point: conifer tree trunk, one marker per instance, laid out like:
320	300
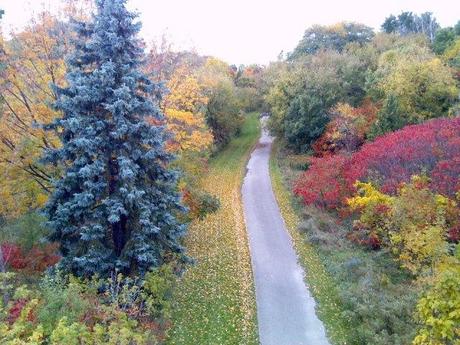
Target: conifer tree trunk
118	228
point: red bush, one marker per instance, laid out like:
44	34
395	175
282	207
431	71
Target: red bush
13	256
37	259
15	311
322	184
431	148
454	234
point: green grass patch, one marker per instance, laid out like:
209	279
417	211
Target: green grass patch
215	301
235	155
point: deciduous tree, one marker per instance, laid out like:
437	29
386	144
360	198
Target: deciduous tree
334	37
33	60
420	83
184	107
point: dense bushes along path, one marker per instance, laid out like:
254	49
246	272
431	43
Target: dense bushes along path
285	308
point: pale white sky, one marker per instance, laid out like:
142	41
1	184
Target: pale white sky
246	31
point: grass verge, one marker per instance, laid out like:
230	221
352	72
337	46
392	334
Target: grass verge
215	302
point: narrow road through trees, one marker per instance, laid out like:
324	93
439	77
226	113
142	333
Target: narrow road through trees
285	308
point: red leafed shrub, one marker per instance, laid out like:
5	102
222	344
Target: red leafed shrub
445	176
37	259
13	256
15	311
322	184
454	234
432	148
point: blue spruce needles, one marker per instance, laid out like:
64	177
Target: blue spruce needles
116	205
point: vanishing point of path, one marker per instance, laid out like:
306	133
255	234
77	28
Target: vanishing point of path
285	308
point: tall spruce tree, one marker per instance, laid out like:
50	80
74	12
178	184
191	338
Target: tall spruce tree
115	207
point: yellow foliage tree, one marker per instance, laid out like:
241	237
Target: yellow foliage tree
34	60
183	107
421	82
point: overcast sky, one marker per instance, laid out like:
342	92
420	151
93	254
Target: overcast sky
245	31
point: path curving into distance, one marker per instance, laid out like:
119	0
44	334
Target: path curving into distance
285	309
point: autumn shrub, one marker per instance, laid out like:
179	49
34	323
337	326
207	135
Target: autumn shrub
376	298
438	311
149	297
158	286
367	281
199	203
12	255
114	328
37	259
374	207
323	184
61	298
414	224
432	148
347	129
24	246
66	310
119	330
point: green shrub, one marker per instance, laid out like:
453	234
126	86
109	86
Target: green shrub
65	310
26	231
438	311
61	298
158	287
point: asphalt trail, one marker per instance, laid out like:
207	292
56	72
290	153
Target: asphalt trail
285	308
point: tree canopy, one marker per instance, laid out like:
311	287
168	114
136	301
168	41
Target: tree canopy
334	37
409	23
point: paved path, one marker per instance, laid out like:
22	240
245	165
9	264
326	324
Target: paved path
285	308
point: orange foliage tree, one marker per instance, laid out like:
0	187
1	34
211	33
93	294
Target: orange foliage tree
347	129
